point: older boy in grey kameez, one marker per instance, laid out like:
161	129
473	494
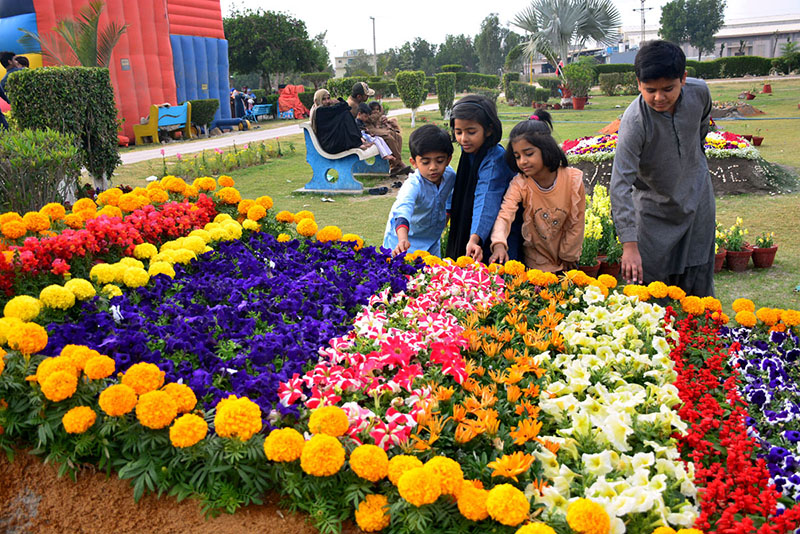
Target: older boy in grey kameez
661	191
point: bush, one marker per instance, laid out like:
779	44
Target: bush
524	94
580	77
430	83
610	83
411	85
260	94
203	111
738	66
307	98
541	94
37	167
76	100
341	87
630	85
787	63
317	79
446	90
271	99
452	68
608	68
509	77
552	83
466	81
488	92
691	71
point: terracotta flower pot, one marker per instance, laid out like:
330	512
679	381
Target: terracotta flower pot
749	137
763	257
578	102
611	269
749	96
590	270
737	260
757	140
767	88
719	260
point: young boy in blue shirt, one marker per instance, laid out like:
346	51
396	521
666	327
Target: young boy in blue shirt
419	215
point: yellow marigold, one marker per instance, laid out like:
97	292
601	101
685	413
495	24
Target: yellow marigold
83	204
229	195
607	280
135	277
244	205
664	530
303	214
372	514
285	217
514	268
173	184
658	290
226	181
158	196
472	502
161	267
23	307
2	360
330	420
370	462
57	297
507	505
676	293
433	260
78	420
187	430
102	273
632	290
143	377
256	213
283	238
463	261
284	445
7	325
109	197
81	288
117	400
28	338
768	316
59	385
580	278
205	183
14	229
237	417
743	305
541	278
587	517
329	233
449	471
265	201
131	262
79	355
144	251
191	192
111	290
692	305
74	221
35	221
307	227
130	202
156	409
419	486
358	243
535	528
790	317
322	456
251	225
401	463
689	531
54	211
184	397
100	366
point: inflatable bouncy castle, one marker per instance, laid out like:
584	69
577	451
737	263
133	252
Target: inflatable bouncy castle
172	51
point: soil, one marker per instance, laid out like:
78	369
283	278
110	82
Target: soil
33	500
739	110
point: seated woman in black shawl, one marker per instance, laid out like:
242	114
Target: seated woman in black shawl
335	126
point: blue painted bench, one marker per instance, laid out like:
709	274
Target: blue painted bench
161	117
346	164
259	110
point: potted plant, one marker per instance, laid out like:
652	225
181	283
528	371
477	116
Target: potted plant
764	250
592	234
719	249
579	78
767	88
738	253
611	264
757	139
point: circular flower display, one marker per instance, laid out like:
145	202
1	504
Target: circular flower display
372	514
143	377
508	505
100	366
59	385
400	464
117	400
237	418
419	486
322	456
184	397
78	420
156	409
284	445
330	420
187	430
370	462
587	517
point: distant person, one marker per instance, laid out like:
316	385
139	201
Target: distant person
363	116
10	64
359	94
322	98
23	62
379	125
336	128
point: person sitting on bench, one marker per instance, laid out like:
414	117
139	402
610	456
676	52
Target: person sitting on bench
336	128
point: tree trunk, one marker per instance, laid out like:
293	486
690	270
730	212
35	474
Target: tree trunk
100	183
699	54
413	117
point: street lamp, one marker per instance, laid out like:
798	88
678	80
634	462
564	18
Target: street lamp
374	48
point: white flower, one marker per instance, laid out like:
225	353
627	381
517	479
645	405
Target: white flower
601	463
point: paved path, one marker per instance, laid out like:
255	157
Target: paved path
240	138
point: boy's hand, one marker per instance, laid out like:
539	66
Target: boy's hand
632	263
499	254
402	246
570	265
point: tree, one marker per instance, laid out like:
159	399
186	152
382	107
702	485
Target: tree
423	56
457	50
270	43
555	27
78	41
489	45
673	21
412	88
695	21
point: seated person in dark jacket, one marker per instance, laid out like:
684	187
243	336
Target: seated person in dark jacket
336	128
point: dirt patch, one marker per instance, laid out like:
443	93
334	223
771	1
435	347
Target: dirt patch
735	110
35	501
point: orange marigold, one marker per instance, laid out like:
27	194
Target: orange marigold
59	385
768	316
330	420
303	214
78	420
676	293
78	355
692	305
229	195
588	517
369	462
245	205
205	183
657	289
256	213
265	201
237	418
54	211
322	456
401	463
109	197
284	445
156	409
746	318
535	528
84	204
117	400
514	268
307	227
790	317
507	505
187	430
607	280
184	397
329	233
29	338
358	243
472	502
449	472
49	366
35	221
13	229
100	366
743	305
372	514
420	486
285	217
143	377
226	181
711	304
74	221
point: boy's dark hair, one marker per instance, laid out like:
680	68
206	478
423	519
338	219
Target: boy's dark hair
429	138
364	108
532	131
480	109
23	61
659	59
5	58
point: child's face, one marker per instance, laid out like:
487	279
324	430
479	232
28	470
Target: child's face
662	94
470	135
431	165
363	116
528	158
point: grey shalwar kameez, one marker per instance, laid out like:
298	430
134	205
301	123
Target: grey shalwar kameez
661	191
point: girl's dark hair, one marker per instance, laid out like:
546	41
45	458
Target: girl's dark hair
537	133
481	110
544	120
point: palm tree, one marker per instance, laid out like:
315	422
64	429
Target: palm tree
79	41
555	27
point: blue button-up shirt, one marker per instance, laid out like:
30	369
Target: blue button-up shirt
424	205
494	175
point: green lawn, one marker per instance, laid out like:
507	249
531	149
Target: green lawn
366	214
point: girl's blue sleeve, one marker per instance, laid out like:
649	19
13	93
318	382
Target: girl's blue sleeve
493	179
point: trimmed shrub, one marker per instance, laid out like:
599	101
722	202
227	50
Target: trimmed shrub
446	91
412	88
392	88
271	99
738	66
452	68
341	87
610	83
260	94
524	94
37	167
541	94
488	92
76	100
307	98
466	81
691	71
430	83
630	86
509	77
607	68
380	87
317	79
550	82
203	111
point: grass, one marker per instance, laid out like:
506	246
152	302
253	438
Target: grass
366	214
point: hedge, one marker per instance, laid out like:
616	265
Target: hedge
431	84
307	98
524	94
732	67
489	92
452	68
446	90
551	83
465	81
509	77
76	100
541	94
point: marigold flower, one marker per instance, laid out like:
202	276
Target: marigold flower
692	305
353	238
658	290
10	216
433	260
283	238
161	267
117	400
307	227
676	293
790	317
508	505
711	304
109	197
535	528
191	192
372	514
664	530
514	268
369	462
84	204
463	261
156	409
98	367
284	217
173	184
111	290
322	456
690	531
251	225
23	307
420	486
81	288
110	211
102	273
205	183
135	277
401	463
187	430
329	233
184	397
743	305
78	420
2	361
49	366
229	195
13	229
237	418
131	202
143	377
226	181
58	297
588	517
244	205
28	338
59	385
74	221
449	472
284	445
768	316
78	355
35	221
256	213
54	211
746	318
303	214
610	282
472	502
7	325
265	201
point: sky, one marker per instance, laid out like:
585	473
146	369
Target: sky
349	25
